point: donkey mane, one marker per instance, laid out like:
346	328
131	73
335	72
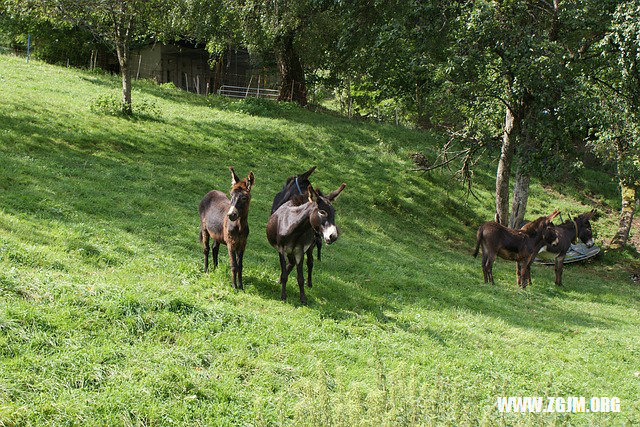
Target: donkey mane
298	200
288	181
533	225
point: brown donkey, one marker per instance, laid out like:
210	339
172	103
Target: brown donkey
515	245
292	231
569	232
225	221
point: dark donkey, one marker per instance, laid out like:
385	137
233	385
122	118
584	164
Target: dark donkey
297	186
292	230
515	245
568	233
225	221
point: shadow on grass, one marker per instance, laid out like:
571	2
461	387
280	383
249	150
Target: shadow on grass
400	226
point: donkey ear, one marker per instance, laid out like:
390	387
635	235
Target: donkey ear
313	196
250	180
553	214
234	177
332	196
590	214
308	173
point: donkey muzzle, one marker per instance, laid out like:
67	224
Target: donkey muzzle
330	234
233	213
590	243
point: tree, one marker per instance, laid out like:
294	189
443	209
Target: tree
526	58
116	23
298	32
617	96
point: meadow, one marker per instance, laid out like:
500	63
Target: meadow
107	318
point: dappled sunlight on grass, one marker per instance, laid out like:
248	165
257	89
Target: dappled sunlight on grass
106	316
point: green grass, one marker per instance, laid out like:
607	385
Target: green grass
106	317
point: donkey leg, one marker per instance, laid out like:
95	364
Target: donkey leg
484	267
284	275
523	275
300	271
518	275
283	282
309	265
319	246
239	256
204	237
490	260
214	253
234	265
559	267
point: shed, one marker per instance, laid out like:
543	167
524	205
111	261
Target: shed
194	69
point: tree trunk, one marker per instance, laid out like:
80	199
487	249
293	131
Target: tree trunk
292	82
125	73
520	198
629	204
504	167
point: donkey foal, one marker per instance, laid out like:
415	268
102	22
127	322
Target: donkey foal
225	222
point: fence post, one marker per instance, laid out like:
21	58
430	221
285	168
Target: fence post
139	63
28	47
258	95
186	80
248	87
396	116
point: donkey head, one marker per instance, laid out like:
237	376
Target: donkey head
549	233
240	195
298	184
543	227
584	227
323	215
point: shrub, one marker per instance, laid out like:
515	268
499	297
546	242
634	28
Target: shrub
107	104
168	85
112	104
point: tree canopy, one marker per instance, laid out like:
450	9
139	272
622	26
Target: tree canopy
534	83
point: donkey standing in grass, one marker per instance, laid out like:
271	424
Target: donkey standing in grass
516	245
297	186
292	230
568	233
225	221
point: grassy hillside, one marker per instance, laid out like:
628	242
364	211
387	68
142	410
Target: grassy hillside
106	317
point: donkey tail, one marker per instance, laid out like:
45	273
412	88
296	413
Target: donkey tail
479	240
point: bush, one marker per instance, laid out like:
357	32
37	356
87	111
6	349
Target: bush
107	104
168	85
112	105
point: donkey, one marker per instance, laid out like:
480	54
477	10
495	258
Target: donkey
225	221
568	233
515	245
292	230
297	186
